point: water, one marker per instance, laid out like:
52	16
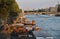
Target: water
49	24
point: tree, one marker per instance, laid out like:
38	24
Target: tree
20	10
13	8
41	10
3	10
58	8
8	8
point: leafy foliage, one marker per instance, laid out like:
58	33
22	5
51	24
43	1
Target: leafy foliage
41	10
58	8
8	6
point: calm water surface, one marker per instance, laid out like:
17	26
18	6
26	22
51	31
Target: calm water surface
49	24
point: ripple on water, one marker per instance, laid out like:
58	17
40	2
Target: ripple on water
50	24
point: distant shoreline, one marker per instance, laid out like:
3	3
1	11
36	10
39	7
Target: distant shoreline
47	13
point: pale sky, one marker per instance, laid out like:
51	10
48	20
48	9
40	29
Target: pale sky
36	4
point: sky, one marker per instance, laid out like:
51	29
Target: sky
36	4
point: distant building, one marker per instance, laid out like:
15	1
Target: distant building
47	10
53	9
